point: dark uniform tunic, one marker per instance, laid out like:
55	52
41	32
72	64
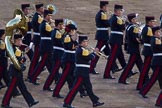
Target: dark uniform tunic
116	40
82	76
36	21
68	61
45	50
156	45
58	51
102	36
147	52
28	39
3	63
134	51
17	80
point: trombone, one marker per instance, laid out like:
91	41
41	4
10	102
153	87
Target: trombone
99	53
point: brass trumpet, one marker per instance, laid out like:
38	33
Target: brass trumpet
100	54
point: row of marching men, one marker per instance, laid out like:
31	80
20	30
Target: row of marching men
55	50
149	37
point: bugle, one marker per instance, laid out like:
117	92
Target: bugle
100	54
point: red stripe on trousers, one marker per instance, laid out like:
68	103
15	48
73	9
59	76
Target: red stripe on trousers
73	90
52	75
159	99
110	61
143	72
9	91
151	81
95	60
129	67
39	68
34	60
62	80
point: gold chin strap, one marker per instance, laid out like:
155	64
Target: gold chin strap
18	23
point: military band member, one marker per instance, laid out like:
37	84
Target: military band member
102	34
58	51
82	74
117	26
45	48
147	52
68	60
17	77
3	60
28	37
132	33
156	63
36	21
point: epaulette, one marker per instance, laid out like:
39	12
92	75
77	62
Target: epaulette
67	39
58	35
135	30
149	32
2	45
40	19
27	19
18	52
48	27
104	16
119	21
157	41
85	52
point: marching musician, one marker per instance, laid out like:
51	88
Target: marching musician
82	74
156	63
27	39
102	34
117	26
58	51
147	52
36	21
17	77
132	33
68	60
45	48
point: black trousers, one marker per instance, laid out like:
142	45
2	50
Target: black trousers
34	61
30	54
45	61
154	77
67	75
116	53
79	81
133	59
144	77
17	80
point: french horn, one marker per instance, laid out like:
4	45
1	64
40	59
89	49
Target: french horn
18	23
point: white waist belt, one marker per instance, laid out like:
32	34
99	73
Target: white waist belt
36	33
82	65
146	44
29	32
117	32
58	48
157	54
102	28
68	51
45	38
